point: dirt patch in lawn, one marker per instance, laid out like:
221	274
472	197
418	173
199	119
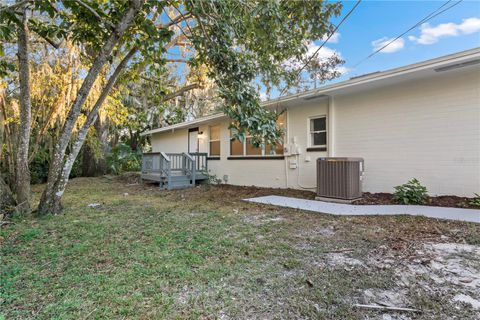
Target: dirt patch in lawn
440	201
242	192
130	178
227	194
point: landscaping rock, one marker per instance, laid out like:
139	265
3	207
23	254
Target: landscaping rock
339	259
468	300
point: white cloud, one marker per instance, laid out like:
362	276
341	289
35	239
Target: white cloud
333	39
392	47
343	70
430	35
263	96
323	54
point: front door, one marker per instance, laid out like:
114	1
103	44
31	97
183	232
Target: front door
193	140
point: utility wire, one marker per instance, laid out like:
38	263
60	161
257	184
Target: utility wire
430	16
314	55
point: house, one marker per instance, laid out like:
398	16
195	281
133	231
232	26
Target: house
421	120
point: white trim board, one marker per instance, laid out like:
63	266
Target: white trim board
392	76
457	214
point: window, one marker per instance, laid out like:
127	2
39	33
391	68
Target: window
215	141
250	149
278	148
318	132
238	148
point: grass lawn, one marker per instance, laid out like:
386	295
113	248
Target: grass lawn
203	253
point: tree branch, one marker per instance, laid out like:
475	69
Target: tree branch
177	41
50	201
13	6
176	20
156	81
92	115
177	60
91	118
183	17
54	44
181	91
95	13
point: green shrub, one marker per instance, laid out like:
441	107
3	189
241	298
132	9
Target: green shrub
39	166
123	158
77	167
411	192
476	200
41	163
212	179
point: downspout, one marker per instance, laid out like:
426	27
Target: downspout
285	140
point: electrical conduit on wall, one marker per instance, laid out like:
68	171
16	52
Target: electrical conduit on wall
330	147
298	175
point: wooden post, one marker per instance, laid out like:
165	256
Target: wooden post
184	164
194	174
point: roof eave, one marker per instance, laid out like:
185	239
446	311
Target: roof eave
329	89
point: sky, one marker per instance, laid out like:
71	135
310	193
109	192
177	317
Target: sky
374	22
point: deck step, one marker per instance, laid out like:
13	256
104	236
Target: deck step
180	178
178	182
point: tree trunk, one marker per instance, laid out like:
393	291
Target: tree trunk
51	199
2	124
7	202
23	172
133	139
59	166
9	154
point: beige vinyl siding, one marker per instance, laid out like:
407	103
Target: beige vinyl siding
428	129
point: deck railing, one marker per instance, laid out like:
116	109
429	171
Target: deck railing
176	161
161	166
201	160
189	166
151	163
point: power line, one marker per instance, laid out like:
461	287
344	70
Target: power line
430	16
314	55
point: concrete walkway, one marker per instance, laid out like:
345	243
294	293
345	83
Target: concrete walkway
470	215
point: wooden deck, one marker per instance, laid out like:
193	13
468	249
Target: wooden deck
175	170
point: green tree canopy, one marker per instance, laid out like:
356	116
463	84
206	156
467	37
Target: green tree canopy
236	44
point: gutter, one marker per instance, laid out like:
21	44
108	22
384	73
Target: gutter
354	81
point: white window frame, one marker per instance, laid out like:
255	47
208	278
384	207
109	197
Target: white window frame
244	153
244	148
310	131
214	140
252	155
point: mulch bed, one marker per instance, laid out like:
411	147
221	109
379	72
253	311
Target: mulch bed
440	201
231	193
